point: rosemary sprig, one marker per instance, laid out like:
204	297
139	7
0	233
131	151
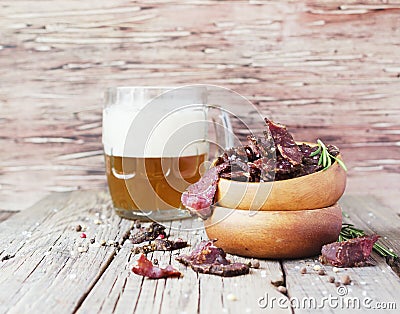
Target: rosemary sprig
350	232
325	159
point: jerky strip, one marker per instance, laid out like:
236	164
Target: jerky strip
144	267
285	142
148	234
353	252
199	196
209	259
160	245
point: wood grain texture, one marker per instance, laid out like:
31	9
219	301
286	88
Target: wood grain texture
327	69
193	293
274	234
41	266
5	214
40	274
368	214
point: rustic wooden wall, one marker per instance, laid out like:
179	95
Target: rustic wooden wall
328	69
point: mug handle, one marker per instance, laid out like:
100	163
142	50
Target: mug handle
226	122
222	132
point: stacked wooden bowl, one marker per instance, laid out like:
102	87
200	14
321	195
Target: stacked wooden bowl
283	219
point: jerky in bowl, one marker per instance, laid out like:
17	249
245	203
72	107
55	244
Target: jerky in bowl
272	172
271	198
316	190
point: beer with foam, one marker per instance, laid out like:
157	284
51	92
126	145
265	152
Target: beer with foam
153	150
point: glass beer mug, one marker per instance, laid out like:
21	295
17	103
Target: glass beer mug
155	143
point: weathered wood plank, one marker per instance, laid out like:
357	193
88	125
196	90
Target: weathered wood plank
372	216
327	69
39	271
194	293
376	283
5	214
46	270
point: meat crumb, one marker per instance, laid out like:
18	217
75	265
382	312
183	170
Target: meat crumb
254	263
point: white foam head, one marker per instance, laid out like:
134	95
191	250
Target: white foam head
135	124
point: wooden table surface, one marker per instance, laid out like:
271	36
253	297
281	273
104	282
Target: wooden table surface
43	271
326	68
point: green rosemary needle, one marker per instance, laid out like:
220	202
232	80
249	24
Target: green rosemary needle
325	159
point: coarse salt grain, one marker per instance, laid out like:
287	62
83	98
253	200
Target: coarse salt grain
231	297
82	249
72	276
263	273
316	267
335	269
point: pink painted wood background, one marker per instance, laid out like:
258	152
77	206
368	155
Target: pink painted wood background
328	69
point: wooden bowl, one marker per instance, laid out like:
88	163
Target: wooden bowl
317	190
274	234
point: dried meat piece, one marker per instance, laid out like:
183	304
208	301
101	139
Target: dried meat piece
284	169
237	170
168	245
285	143
333	150
144	267
255	172
267	168
160	245
353	252
310	163
148	234
208	259
262	147
241	176
199	196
